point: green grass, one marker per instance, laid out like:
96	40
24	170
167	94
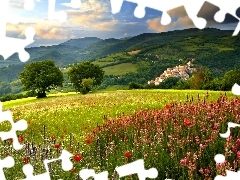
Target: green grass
31	100
73	112
120	69
116	87
102	63
78	115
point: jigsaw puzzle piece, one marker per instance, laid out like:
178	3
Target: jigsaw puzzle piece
192	8
227	7
66	166
140	12
29	5
53	15
28	171
7	162
18	126
73	4
87	173
230	125
137	167
8	45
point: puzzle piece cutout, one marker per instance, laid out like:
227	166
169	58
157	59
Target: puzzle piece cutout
7	162
137	167
29	5
87	173
236	89
73	4
66	166
230	125
8	45
21	125
230	175
229	7
53	15
192	8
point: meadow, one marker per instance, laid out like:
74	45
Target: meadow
177	132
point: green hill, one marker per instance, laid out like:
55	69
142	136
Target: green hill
139	58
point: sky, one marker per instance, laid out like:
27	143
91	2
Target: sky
94	18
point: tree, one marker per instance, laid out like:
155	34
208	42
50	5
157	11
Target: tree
78	75
230	78
169	83
41	77
87	85
134	85
201	78
5	88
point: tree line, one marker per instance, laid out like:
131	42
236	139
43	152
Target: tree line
202	79
40	77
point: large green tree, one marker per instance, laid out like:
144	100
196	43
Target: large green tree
230	78
85	76
41	77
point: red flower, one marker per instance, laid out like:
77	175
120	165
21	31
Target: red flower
128	154
57	146
72	170
25	160
187	122
88	140
77	157
167	106
20	138
53	137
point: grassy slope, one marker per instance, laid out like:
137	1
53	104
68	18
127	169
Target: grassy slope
73	113
120	69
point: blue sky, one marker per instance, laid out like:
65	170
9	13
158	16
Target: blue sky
95	19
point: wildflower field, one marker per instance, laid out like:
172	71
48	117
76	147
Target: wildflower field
177	132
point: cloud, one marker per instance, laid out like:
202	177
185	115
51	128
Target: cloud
93	15
180	19
44	29
181	22
19	4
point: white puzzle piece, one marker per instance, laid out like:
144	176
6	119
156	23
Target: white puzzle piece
192	8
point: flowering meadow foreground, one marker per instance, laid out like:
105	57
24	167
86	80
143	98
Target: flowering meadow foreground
176	132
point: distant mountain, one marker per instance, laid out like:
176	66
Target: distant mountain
207	45
82	42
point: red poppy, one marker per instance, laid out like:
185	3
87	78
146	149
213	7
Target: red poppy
128	154
167	106
53	137
57	146
20	138
88	140
187	122
77	157
25	160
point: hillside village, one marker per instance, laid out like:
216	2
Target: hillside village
182	72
